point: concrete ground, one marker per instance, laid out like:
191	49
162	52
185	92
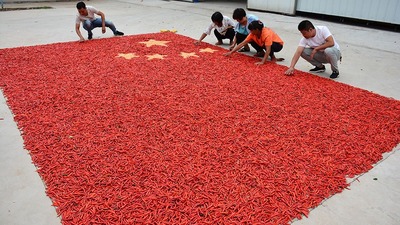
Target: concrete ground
370	61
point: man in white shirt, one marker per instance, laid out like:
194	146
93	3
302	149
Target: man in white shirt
223	29
317	47
89	21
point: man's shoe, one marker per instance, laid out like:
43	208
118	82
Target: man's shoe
244	49
90	36
334	75
318	69
118	33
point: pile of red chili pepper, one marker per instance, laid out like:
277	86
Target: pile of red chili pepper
203	139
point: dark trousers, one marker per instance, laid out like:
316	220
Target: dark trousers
275	47
240	38
230	34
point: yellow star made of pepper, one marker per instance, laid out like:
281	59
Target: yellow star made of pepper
155	56
127	56
152	42
188	54
164	30
210	50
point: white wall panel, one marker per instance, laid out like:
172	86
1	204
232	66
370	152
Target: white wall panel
375	10
281	6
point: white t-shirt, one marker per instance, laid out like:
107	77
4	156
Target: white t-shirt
91	11
226	21
322	33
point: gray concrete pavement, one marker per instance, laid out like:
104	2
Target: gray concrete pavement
370	62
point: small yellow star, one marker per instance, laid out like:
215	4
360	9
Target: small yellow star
188	54
155	56
164	30
152	42
127	56
208	50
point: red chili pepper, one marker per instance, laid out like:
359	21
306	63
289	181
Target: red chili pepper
196	140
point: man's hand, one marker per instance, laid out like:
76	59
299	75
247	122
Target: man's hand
103	29
259	63
313	53
81	39
228	54
197	42
289	71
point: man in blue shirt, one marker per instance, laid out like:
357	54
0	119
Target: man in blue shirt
242	30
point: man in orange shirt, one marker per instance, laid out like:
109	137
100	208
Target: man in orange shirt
265	38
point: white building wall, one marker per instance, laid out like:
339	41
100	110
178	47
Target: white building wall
281	6
375	10
387	11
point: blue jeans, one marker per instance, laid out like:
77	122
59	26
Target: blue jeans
90	25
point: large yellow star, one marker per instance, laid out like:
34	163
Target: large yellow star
152	42
188	54
155	56
208	50
127	56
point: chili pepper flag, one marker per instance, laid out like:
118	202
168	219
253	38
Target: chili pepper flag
153	129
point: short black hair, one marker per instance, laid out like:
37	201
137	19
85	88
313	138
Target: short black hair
305	25
256	25
217	17
80	5
238	14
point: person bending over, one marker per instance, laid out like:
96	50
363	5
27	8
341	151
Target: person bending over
265	39
89	21
241	28
317	47
223	28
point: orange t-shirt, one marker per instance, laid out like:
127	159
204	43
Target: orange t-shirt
266	38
